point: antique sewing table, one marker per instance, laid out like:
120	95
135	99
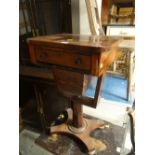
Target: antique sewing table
74	59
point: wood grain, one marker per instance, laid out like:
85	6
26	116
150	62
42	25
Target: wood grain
84	52
71	83
64	58
78	55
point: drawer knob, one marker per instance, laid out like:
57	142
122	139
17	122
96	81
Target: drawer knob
43	55
78	61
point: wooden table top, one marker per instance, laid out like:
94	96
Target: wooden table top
75	40
91	54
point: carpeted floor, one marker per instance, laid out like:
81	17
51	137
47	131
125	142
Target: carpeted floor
113	88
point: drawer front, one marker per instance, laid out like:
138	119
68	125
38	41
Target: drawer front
64	58
68	81
71	82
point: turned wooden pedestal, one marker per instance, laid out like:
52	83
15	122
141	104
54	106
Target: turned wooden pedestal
74	59
77	126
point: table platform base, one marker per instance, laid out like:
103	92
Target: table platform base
102	141
82	134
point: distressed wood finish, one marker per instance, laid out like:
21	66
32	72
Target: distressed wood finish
71	83
77	114
71	57
83	52
58	57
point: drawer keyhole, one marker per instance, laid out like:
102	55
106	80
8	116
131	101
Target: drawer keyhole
78	61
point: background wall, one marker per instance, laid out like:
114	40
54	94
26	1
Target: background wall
48	17
80	22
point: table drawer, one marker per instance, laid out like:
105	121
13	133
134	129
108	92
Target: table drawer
64	58
71	82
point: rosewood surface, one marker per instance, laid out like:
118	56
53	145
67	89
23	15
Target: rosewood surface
73	59
90	54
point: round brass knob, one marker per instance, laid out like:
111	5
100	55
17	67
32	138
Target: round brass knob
43	55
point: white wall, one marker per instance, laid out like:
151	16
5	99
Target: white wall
80	22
